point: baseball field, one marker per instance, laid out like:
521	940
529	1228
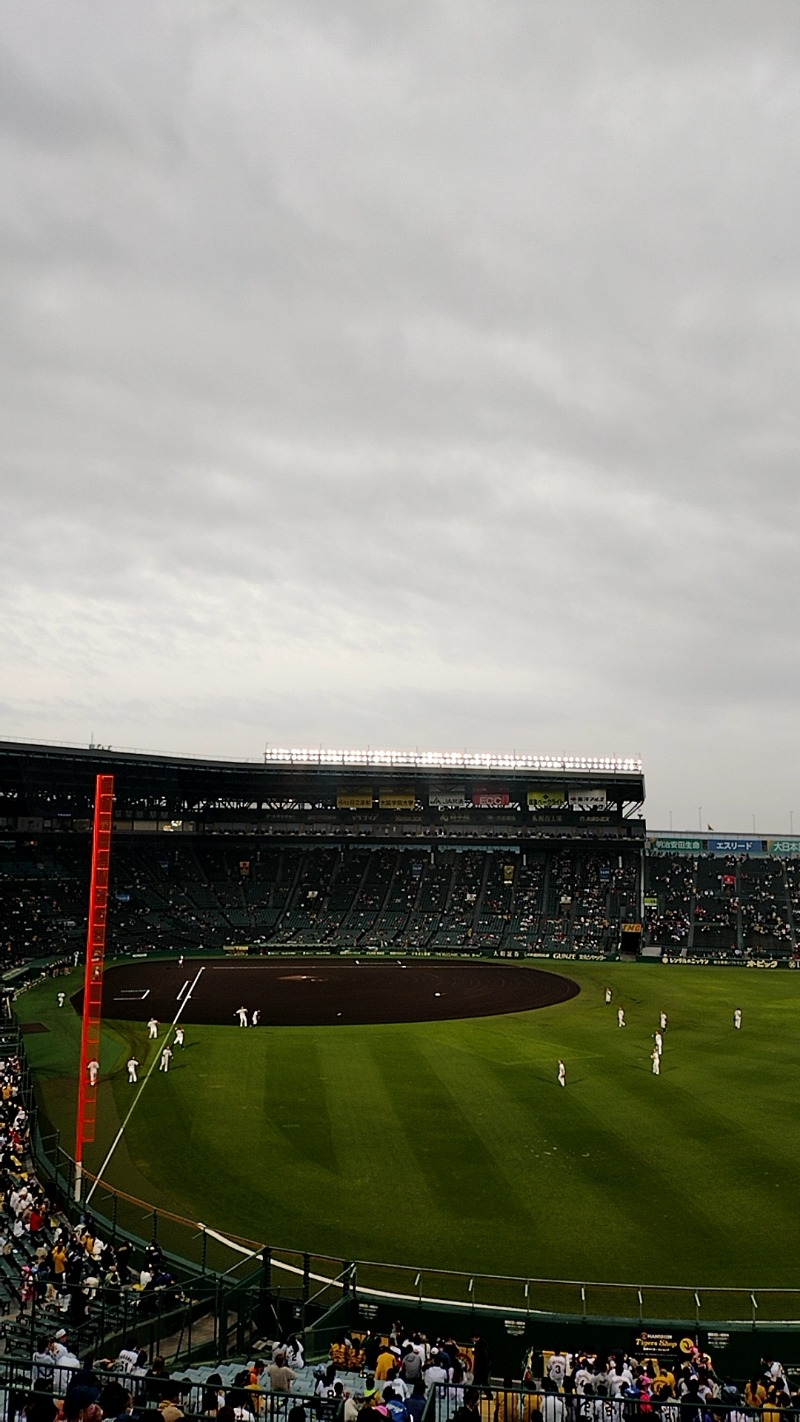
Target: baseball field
437	1134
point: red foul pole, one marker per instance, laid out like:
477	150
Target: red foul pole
89	1068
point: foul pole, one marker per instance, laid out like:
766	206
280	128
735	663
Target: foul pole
89	1066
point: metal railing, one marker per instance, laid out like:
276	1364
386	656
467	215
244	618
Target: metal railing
18	1385
532	1404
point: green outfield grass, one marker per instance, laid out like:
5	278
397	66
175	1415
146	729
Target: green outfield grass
451	1144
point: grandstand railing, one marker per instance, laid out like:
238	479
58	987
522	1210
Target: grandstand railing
17	1386
531	1404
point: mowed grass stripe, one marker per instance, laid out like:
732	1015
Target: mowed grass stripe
451	1144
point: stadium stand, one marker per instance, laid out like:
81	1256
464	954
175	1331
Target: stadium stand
448	900
398	852
722	907
564	899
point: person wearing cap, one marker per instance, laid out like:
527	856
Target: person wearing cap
66	1366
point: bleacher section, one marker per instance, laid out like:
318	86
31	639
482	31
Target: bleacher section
222	891
722	907
568	897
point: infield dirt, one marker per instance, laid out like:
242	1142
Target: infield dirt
311	992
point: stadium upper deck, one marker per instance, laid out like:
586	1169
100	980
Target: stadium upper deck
50	787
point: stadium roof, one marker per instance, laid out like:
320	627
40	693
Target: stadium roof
35	777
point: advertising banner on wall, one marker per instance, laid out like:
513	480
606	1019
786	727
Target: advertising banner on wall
784	846
354	800
735	844
397	799
491	799
546	800
587	799
665	844
447	799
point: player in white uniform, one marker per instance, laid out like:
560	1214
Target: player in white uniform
659	1041
179	1037
132	1065
562	1073
166	1057
655	1057
93	1069
737	1018
241	1013
153	1028
620	1016
662	1022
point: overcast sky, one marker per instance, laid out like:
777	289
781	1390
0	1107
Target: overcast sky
407	374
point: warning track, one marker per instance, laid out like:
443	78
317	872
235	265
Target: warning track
314	992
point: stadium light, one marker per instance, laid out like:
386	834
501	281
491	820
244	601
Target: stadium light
452	760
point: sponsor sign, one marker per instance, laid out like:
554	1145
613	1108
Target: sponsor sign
631	927
783	846
447	799
587	799
582	957
546	800
657	1345
735	845
666	845
491	799
354	800
397	799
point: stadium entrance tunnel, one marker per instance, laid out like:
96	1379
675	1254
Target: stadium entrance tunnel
316	992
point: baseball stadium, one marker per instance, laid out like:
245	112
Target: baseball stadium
345	1038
